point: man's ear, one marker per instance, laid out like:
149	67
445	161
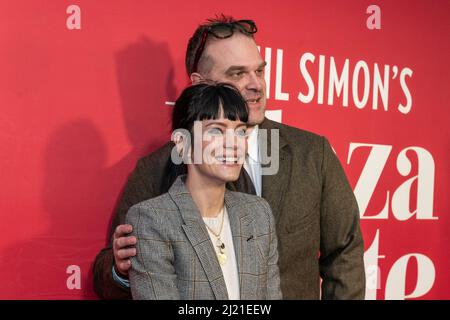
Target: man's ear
196	78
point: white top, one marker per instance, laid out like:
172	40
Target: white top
229	269
252	162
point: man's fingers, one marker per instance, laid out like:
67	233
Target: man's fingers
124	242
122	247
123	266
122	230
126	253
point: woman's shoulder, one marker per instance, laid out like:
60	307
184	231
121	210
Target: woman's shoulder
160	203
153	214
154	208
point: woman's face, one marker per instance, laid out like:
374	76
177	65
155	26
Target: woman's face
219	148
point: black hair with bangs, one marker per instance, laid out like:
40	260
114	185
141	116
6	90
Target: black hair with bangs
206	101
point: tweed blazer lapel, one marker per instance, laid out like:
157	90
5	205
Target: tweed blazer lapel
243	230
274	186
197	234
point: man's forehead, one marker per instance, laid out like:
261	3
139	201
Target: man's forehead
233	42
238	49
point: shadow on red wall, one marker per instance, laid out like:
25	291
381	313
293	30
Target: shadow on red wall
80	190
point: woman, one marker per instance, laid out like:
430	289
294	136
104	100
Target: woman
200	240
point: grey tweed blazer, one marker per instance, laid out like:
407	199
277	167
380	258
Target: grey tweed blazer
175	257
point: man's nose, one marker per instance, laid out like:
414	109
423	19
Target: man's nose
255	83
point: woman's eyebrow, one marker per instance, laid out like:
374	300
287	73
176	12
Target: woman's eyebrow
216	123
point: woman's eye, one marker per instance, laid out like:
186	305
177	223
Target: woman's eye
215	131
240	132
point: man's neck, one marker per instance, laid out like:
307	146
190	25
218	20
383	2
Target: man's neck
208	194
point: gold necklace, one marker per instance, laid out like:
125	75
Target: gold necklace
221	254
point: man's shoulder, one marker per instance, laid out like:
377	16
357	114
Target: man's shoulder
296	137
158	157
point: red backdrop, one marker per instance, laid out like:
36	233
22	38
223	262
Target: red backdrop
83	91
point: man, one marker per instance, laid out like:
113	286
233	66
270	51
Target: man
314	207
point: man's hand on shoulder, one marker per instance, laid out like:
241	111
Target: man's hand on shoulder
123	248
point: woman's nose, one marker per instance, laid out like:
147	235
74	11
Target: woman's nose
230	141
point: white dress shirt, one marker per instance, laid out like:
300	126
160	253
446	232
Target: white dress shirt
252	162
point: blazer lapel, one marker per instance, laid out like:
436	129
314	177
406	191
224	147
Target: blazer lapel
274	186
197	234
243	230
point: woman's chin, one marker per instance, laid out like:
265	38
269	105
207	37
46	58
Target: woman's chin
228	172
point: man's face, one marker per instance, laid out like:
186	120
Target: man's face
236	60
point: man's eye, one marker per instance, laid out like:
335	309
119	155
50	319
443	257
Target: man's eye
260	72
237	74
